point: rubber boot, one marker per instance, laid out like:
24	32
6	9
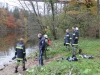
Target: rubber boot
24	68
16	69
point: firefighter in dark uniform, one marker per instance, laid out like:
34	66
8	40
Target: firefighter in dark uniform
67	39
41	48
20	54
75	37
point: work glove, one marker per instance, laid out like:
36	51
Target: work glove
25	59
64	44
14	58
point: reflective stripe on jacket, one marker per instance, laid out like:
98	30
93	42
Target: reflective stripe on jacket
75	37
67	38
20	50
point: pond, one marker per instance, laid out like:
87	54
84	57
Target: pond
8	42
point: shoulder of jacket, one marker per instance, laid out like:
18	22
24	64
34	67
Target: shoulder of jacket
20	44
43	38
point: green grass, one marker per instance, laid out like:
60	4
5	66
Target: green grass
62	67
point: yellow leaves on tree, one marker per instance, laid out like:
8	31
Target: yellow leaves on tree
18	23
25	21
93	8
73	12
82	1
82	6
21	14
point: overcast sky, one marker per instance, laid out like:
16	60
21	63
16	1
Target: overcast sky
13	3
16	3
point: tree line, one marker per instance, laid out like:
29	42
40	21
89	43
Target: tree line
56	18
80	13
16	19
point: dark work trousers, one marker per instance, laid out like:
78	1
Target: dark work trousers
74	50
67	47
40	57
45	55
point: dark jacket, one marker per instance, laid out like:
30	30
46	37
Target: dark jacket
67	38
75	37
20	50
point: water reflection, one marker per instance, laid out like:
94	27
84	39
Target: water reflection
8	42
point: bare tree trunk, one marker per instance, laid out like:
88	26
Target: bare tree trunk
37	16
27	7
37	8
53	19
21	4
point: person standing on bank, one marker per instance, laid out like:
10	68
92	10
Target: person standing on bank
41	48
67	39
75	37
20	54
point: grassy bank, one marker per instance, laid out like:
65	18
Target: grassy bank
58	66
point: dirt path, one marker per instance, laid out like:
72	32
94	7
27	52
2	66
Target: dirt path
9	70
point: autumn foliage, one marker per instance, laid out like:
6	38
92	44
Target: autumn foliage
10	21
